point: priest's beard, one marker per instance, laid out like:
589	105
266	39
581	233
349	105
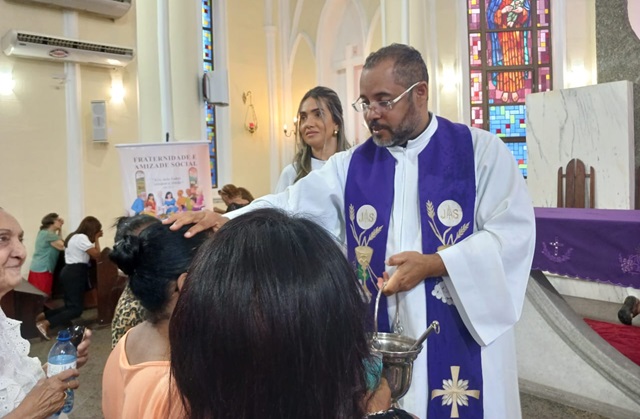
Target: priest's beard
400	135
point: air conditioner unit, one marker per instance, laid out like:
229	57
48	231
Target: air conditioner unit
53	48
109	8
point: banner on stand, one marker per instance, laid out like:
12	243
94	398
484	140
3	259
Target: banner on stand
165	178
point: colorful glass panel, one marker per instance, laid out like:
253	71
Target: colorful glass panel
207	64
544	79
519	151
210	115
207	42
474	14
476	87
509	57
506	49
509	86
544	52
507	121
476	117
508	14
210	135
543	13
475	50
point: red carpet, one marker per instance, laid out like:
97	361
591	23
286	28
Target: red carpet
626	339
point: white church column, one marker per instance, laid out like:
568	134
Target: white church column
164	70
274	132
75	161
405	24
150	97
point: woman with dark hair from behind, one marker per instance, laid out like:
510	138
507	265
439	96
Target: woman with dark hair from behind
270	323
136	376
128	312
80	247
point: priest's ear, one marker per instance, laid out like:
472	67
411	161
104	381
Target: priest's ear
421	92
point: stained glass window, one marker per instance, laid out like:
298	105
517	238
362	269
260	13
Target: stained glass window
210	112
509	57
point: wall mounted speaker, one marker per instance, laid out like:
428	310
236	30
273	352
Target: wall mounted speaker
99	120
215	87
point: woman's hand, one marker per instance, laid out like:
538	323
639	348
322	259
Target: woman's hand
83	348
47	397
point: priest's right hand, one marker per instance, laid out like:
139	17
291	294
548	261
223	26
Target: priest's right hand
204	220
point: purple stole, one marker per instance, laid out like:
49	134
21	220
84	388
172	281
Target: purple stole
446	173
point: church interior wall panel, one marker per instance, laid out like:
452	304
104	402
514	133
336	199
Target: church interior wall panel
26	17
33	120
580	44
448	62
247	71
186	67
310	13
592	123
150	130
303	77
33	144
618	52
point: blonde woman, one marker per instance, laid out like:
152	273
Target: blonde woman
320	134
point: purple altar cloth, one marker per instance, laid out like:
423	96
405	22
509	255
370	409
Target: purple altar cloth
593	244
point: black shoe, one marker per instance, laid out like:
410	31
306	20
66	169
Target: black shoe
625	314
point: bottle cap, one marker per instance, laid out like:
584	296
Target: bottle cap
64	335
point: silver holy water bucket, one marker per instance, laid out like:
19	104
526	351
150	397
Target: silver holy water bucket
398	354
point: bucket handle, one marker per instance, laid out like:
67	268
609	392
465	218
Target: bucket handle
396	323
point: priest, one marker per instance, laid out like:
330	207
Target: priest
437	214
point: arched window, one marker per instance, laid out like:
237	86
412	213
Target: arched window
509	57
210	112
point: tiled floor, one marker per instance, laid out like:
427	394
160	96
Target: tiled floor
88	396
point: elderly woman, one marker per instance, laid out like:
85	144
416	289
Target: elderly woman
25	392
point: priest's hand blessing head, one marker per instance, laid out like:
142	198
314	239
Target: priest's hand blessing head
202	220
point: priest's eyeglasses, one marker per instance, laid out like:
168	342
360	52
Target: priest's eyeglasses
380	106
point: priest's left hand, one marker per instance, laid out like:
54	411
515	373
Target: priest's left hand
413	267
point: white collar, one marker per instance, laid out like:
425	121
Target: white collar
421	141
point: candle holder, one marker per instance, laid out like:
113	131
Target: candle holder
250	118
293	131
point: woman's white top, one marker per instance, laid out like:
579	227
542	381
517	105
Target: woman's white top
19	373
289	174
76	251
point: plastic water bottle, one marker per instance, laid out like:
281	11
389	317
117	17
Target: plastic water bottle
62	357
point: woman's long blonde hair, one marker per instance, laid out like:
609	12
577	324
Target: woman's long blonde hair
302	159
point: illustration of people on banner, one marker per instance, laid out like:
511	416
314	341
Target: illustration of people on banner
166	178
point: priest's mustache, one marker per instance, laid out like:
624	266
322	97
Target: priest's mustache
374	126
